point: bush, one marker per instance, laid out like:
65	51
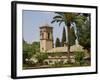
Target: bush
41	57
79	58
58	64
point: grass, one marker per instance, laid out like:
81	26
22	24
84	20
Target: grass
25	66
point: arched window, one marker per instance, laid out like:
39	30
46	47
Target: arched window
48	35
42	36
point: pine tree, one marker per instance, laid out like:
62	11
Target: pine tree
63	37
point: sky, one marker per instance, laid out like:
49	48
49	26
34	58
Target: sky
31	22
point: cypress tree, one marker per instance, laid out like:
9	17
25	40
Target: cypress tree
63	37
57	42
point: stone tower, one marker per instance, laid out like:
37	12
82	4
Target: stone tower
46	38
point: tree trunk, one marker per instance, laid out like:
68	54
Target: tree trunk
69	60
68	28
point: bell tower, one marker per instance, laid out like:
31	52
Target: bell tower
46	38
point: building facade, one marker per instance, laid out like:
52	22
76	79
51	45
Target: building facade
46	38
55	54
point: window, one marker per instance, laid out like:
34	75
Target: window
42	35
48	35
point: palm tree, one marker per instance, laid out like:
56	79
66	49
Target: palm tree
68	19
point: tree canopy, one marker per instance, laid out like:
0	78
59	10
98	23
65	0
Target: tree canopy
84	34
29	50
